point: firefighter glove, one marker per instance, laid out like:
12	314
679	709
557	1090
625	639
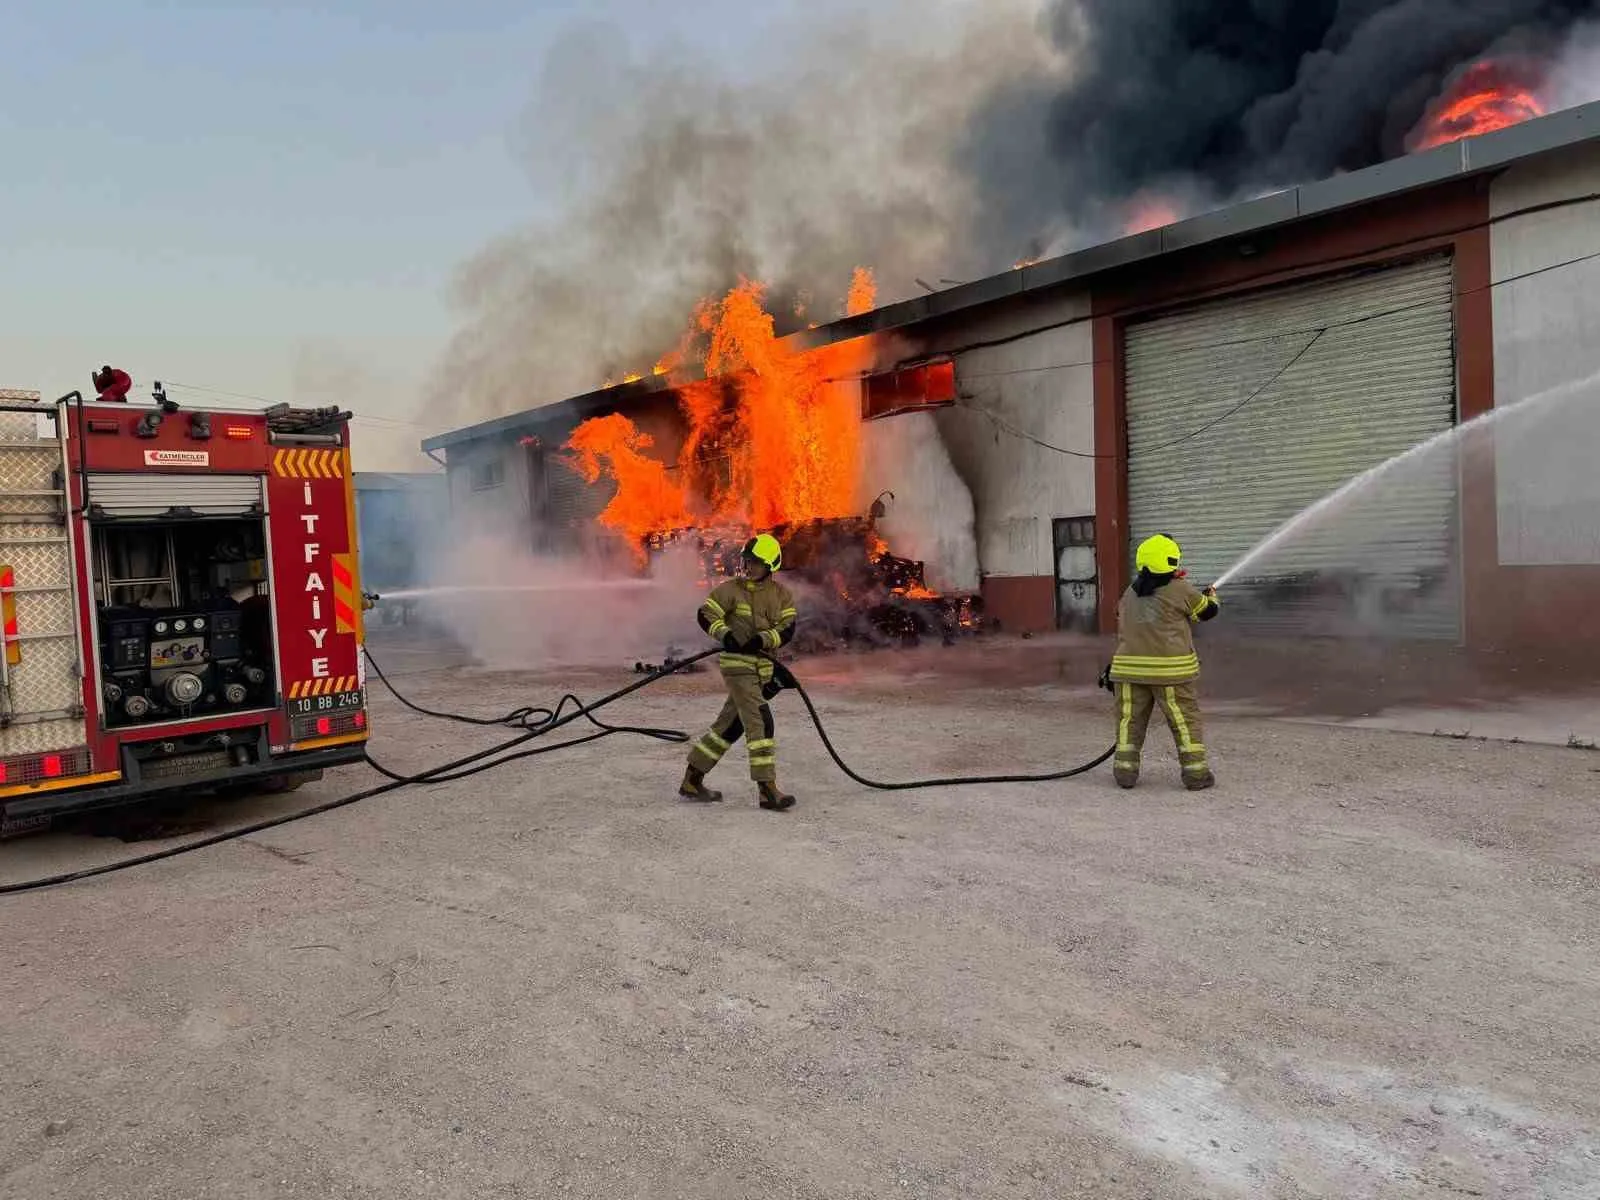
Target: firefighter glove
731	643
782	676
1105	680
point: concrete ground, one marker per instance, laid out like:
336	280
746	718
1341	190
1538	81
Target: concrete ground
1366	965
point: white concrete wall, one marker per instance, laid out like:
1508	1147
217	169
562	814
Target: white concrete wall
1547	336
931	517
1039	386
501	511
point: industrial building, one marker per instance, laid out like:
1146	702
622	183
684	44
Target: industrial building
1211	378
394	510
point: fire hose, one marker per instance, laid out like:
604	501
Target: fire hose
533	722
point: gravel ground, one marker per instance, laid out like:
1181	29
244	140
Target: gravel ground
1366	965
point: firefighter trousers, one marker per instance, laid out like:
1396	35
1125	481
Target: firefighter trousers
1180	705
744	714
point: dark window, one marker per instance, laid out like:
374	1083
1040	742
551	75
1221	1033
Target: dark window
1074	531
911	389
488	475
1077	574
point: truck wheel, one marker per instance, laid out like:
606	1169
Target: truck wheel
274	785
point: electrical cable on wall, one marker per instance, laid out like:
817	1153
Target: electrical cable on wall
1316	334
1188	437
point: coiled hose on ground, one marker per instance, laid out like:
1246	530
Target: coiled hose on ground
533	722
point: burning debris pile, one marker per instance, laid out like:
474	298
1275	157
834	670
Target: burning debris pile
855	592
772	441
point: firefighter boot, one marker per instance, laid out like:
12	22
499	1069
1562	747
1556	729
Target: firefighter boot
694	787
1199	783
774	799
1126	777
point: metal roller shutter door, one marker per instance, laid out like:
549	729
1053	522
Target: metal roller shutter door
153	495
571	500
1379	380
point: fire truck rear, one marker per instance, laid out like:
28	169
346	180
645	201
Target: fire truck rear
181	601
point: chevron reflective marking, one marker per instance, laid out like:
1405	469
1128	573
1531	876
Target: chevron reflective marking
308	464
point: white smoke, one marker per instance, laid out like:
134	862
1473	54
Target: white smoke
512	609
669	180
931	517
1575	77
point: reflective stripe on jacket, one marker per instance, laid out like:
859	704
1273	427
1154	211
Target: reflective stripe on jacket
1155	638
748	609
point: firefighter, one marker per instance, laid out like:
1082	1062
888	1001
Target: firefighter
111	384
748	615
1155	664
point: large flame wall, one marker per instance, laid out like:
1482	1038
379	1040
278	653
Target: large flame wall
773	434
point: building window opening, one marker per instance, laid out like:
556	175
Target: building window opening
1077	574
486	476
910	389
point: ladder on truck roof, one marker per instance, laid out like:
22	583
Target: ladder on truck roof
41	667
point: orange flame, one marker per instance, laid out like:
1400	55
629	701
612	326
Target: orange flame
863	297
798	436
1147	211
773	434
1489	95
646	498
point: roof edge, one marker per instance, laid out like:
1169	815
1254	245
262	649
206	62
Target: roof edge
1393	177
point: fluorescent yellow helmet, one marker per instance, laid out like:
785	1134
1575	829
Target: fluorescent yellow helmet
1158	555
764	548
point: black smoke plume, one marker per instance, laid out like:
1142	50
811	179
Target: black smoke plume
1212	99
935	141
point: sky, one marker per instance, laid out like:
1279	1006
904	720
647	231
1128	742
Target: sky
271	200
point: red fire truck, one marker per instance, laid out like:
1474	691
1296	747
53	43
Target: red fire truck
181	600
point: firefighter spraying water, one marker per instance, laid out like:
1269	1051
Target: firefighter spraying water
1156	665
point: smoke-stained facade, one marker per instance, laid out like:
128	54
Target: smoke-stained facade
1470	252
941	142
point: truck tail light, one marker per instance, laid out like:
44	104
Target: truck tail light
324	727
240	433
36	768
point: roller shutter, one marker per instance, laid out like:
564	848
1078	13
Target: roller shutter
570	500
1222	448
129	496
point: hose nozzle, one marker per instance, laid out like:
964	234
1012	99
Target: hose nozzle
369	600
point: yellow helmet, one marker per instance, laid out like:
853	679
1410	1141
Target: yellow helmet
1158	555
764	548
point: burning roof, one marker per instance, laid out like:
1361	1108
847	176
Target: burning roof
1489	95
1470	151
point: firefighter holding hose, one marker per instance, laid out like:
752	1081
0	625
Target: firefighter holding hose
1155	664
750	615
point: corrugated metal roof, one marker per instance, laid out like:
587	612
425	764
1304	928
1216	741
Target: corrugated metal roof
1455	161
